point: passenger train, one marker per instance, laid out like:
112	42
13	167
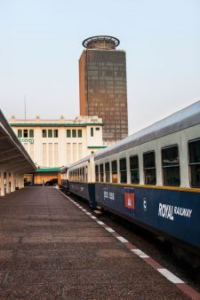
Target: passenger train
151	178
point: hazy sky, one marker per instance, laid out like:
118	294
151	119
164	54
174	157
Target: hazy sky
41	42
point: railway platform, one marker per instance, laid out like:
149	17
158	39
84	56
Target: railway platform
51	248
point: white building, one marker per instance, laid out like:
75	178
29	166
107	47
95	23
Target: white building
54	143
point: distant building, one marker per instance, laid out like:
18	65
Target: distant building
103	88
55	143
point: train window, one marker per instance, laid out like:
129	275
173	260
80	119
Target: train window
170	166
149	168
83	174
114	171
80	174
134	169
107	170
96	173
194	162
101	173
86	173
123	170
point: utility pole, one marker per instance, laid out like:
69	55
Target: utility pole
25	106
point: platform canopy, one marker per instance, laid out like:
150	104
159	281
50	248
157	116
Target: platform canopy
13	156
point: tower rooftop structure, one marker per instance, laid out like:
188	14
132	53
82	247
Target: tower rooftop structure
101	42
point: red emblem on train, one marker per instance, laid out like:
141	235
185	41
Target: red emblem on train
129	200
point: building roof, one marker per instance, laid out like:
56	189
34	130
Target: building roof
81	121
13	156
44	170
54	124
105	42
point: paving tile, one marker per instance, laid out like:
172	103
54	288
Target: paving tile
50	249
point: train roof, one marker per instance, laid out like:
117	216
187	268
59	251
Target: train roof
180	120
64	168
87	158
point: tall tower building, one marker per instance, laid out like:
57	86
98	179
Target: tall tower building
103	89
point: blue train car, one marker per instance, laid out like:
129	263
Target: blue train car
153	177
84	190
80	179
63	182
172	213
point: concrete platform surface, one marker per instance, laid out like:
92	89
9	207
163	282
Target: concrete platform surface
50	249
